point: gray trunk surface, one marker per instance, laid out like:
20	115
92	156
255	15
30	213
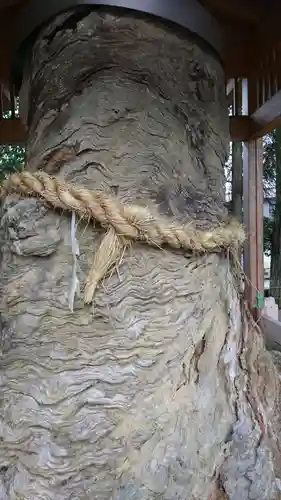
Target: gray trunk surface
161	390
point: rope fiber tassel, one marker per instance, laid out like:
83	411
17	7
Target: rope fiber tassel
109	253
123	222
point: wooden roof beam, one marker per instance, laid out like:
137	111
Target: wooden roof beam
261	122
242	127
268	116
250	11
269	111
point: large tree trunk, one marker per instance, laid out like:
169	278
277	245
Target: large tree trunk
162	390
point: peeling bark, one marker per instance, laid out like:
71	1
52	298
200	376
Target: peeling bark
165	390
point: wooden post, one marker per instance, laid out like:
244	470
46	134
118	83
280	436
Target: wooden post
237	181
253	209
259	220
253	222
237	164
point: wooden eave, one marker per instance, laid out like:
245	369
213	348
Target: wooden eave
252	51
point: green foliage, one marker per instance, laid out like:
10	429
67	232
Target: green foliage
269	185
11	159
11	155
269	163
267	234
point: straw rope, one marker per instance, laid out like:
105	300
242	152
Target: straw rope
125	222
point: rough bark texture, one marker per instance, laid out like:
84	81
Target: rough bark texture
162	391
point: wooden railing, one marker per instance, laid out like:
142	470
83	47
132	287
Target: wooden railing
261	94
265	83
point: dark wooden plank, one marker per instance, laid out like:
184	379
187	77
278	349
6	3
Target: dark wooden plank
12	132
265	129
242	128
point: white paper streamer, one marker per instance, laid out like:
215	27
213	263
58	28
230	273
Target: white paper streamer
75	285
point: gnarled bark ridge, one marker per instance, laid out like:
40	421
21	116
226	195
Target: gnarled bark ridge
163	390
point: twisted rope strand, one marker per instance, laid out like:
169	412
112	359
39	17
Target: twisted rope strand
123	222
131	221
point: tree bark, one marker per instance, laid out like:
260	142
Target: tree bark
164	389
